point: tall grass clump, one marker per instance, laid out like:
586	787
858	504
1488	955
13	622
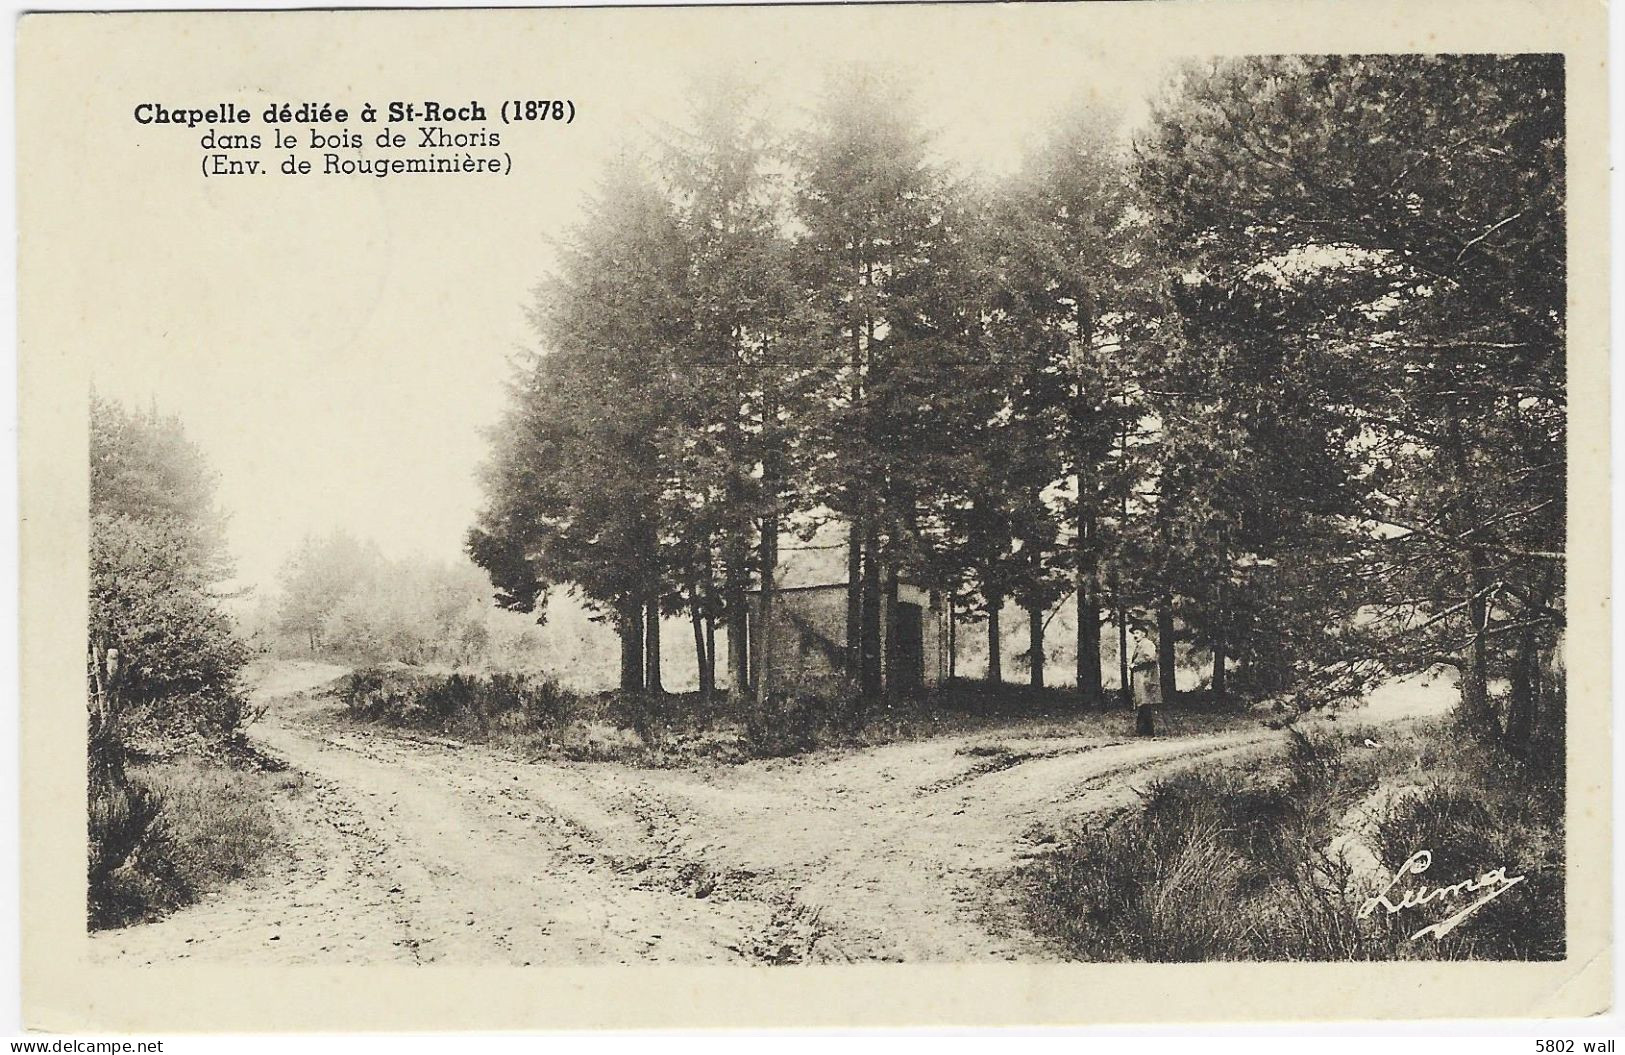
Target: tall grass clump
1471	830
124	844
465	704
1228	865
1214	868
162	833
803	718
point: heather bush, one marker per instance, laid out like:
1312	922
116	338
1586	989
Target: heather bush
122	824
466	703
1227	865
801	718
169	832
1470	830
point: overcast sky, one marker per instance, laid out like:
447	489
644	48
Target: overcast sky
337	346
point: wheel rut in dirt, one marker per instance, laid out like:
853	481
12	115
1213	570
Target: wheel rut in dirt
419	849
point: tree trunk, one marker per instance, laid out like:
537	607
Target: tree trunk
854	599
1035	645
630	627
738	618
1221	625
953	641
106	742
768	550
697	620
1087	545
1523	706
1125	672
1475	697
765	631
894	664
711	649
651	651
871	676
751	653
1167	683
1528	672
1475	702
995	647
857	532
1088	658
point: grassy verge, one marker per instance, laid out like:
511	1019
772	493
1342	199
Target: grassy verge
1277	863
177	829
535	715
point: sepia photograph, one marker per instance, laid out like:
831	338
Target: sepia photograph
816	502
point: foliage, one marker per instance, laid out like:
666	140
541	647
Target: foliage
1388	230
178	830
802	719
574	479
343	599
144	469
155	555
1282	381
463	702
180	653
1065	269
317	579
122	823
164	657
1225	865
534	716
1503	819
536	710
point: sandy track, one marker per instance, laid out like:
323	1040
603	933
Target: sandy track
415	849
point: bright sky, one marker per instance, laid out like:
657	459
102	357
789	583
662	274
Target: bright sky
337	346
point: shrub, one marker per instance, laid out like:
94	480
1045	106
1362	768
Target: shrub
597	742
122	822
1215	867
803	718
467	703
1315	763
1223	865
1470	830
645	713
217	821
174	831
1161	885
156	553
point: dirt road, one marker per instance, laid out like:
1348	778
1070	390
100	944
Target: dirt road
415	849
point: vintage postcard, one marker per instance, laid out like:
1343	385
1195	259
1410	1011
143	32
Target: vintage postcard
824	515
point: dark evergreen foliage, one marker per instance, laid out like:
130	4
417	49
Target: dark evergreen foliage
1283	380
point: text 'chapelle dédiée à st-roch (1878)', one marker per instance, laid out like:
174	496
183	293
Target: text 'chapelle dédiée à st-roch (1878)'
397	138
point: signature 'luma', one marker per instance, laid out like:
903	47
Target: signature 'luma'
1494	883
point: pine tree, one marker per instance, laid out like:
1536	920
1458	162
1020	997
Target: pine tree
741	371
577	474
871	210
1075	268
1412	209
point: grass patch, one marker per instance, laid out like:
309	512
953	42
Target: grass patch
1276	864
177	829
